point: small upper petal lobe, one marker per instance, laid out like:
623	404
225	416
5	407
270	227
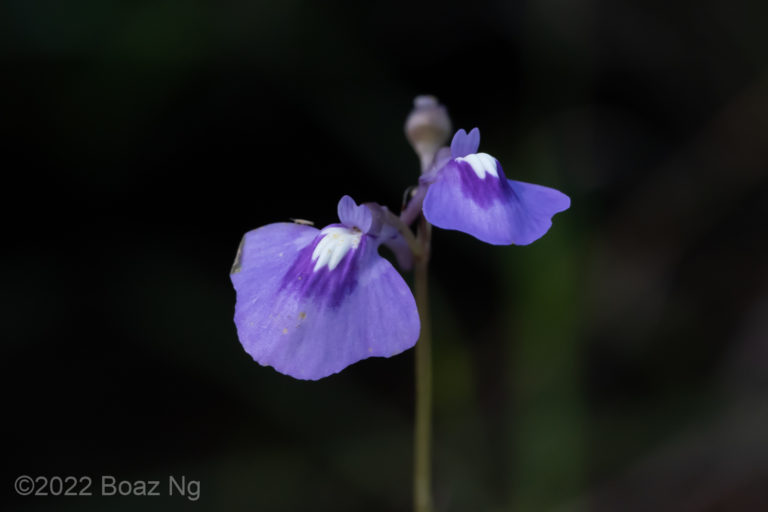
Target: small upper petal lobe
464	144
353	215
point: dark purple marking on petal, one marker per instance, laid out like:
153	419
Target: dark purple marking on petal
324	286
483	191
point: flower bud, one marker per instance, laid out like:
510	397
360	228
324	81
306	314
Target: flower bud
427	128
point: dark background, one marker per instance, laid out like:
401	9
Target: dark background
619	363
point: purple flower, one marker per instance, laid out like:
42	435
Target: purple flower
470	193
311	302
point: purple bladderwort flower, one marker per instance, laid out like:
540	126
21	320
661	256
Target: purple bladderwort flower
311	302
469	192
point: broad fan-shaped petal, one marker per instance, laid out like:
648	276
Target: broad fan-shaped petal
472	194
310	303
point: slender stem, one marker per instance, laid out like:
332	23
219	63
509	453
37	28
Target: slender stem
422	467
413	209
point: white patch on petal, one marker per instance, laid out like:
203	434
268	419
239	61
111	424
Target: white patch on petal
334	245
481	163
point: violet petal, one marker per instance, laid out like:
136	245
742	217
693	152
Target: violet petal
464	144
472	194
353	215
308	311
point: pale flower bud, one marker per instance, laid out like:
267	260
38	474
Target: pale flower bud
427	128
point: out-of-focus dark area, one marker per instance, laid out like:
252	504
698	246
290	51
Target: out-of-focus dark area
619	363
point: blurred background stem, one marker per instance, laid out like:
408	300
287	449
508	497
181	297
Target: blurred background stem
422	467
